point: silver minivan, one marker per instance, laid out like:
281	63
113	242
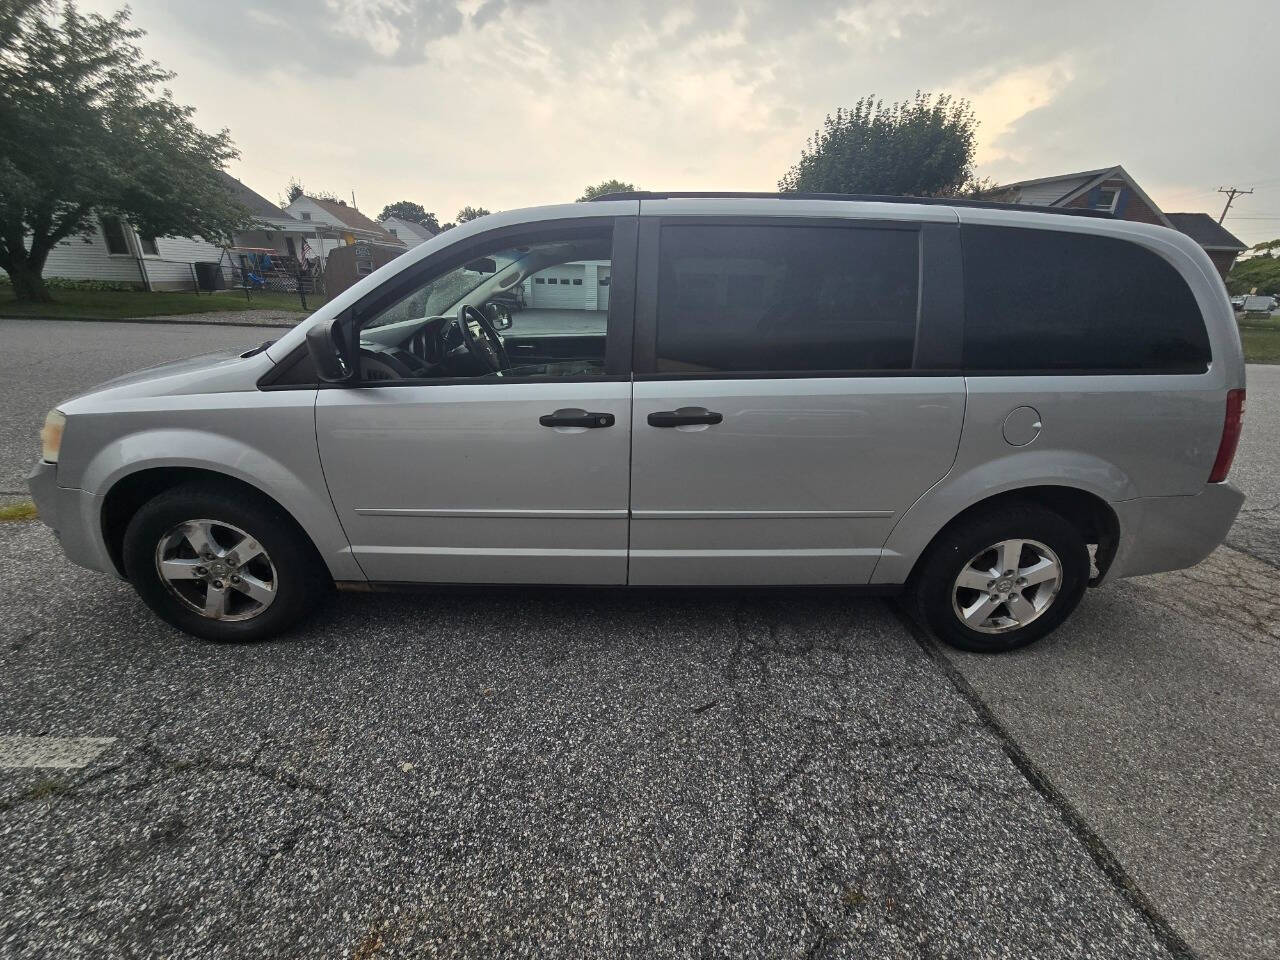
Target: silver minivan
990	407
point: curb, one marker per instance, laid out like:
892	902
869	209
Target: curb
163	319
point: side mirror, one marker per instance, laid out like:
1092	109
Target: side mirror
499	315
324	346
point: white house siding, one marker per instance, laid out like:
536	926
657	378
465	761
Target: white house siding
403	231
86	258
171	269
319	215
1043	194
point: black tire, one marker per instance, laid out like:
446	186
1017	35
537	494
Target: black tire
300	578
933	586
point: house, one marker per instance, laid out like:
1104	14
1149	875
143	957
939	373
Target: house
334	217
113	252
1114	191
274	229
411	234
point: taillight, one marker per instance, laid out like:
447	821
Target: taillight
1230	436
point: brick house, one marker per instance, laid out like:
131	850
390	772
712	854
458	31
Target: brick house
1112	189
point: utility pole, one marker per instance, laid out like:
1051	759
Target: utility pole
1232	193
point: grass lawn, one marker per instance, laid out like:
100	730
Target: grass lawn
1261	339
109	304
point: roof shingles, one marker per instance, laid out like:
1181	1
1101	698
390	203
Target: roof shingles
1206	231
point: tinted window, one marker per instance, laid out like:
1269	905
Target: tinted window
1045	300
780	298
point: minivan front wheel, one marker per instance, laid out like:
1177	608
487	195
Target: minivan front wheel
221	565
1002	579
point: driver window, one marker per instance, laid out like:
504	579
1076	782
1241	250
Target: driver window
538	309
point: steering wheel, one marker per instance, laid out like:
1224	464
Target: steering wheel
487	347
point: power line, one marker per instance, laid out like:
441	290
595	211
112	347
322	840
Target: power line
1232	193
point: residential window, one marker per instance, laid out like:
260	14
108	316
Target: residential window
113	233
539	280
756	299
604	281
1107	199
577	283
392	231
306	214
1046	301
148	247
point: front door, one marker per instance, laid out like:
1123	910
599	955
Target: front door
444	469
782	420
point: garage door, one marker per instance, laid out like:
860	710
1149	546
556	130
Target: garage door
560	288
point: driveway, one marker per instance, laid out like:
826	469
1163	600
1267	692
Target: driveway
604	773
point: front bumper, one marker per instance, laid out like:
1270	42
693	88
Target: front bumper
1172	533
73	516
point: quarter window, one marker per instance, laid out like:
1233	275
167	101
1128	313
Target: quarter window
759	299
148	247
1044	300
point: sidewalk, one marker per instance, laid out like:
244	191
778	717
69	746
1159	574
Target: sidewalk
240	318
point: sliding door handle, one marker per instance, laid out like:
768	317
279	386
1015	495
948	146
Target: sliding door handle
576	418
684	417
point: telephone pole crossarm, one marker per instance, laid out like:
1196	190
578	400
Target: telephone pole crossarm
1232	193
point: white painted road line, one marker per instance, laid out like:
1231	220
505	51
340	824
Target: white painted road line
62	753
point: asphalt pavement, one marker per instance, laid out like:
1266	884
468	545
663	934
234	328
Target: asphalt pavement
612	773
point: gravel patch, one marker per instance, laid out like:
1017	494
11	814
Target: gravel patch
252	318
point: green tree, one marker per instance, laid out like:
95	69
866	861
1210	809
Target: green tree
471	213
410	212
604	187
920	147
1260	273
87	128
294	192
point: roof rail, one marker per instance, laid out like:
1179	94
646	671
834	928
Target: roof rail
864	198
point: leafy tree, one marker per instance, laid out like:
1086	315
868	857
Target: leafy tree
410	212
604	187
294	192
447	226
86	128
919	147
1262	273
471	213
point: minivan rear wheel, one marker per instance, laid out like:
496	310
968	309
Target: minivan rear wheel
222	566
1001	580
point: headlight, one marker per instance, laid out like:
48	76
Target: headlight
51	436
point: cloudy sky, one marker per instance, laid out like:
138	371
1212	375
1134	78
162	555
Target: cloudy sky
507	103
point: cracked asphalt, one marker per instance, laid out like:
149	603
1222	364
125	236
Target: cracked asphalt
606	773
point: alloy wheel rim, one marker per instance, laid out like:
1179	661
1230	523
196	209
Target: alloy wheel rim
216	569
1006	586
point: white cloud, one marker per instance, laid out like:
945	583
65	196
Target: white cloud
512	102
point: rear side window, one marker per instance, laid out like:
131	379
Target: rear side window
759	299
1043	300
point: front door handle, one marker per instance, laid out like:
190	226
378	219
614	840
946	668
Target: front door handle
574	417
683	417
